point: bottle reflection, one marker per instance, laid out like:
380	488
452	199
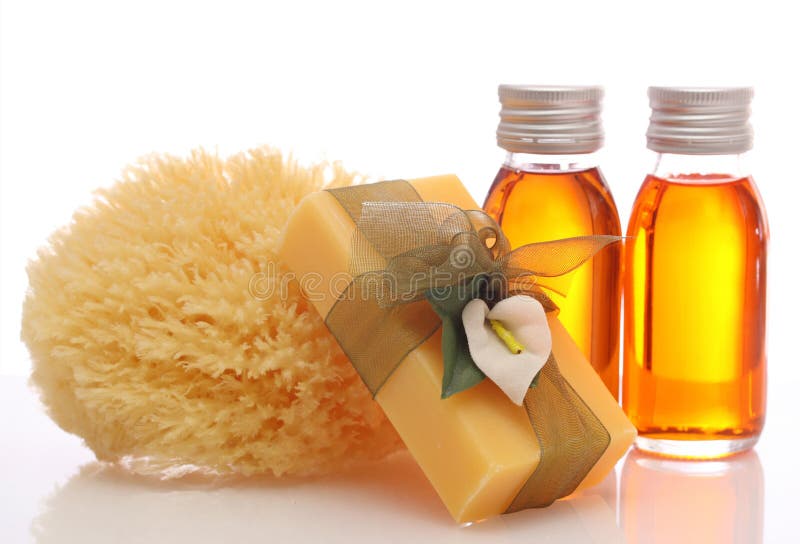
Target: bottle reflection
668	501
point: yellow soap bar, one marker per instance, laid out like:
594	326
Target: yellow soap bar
477	447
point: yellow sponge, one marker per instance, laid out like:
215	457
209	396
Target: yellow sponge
154	335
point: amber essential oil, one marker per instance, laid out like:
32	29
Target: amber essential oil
695	286
535	204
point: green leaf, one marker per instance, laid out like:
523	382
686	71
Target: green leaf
460	371
535	381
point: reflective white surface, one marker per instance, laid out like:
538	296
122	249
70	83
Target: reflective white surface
668	500
54	491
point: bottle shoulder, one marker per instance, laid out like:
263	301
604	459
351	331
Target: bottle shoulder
696	201
589	181
568	194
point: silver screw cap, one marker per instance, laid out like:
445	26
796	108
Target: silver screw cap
700	121
550	120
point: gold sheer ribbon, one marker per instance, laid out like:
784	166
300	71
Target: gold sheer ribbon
402	247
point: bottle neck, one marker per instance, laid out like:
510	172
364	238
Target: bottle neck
701	168
530	162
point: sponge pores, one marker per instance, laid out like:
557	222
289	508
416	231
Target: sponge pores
162	331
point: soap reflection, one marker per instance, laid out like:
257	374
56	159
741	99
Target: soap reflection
709	502
391	501
585	517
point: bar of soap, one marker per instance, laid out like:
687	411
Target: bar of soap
477	448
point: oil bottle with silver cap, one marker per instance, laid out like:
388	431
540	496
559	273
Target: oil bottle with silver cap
550	187
694	380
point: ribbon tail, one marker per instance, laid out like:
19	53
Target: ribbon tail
554	257
571	437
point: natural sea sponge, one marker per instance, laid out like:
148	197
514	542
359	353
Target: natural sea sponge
154	337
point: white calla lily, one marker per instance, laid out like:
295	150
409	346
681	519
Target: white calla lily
524	317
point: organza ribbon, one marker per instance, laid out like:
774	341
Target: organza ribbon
402	248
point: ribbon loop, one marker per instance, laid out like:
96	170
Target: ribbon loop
403	248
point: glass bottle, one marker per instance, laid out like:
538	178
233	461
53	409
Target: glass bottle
550	187
694	380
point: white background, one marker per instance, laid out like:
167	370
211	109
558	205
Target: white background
393	90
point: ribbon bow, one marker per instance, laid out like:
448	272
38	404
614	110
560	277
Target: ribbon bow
406	254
